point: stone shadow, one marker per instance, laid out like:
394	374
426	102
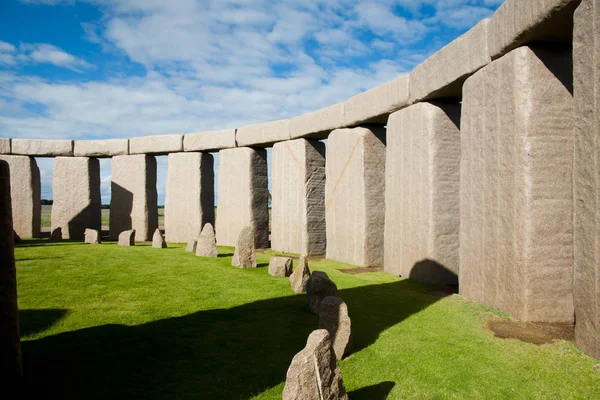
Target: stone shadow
380	391
432	272
34	321
121	205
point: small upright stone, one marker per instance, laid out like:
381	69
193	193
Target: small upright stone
319	286
127	238
280	266
92	236
207	243
191	246
56	235
158	240
244	256
300	276
314	373
333	316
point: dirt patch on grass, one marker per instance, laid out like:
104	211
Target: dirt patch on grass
356	271
534	332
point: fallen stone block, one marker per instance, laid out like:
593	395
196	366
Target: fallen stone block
4	146
209	140
158	241
300	277
101	148
264	134
244	255
156	144
317	124
42	147
319	286
207	243
280	266
375	105
191	246
127	238
333	316
92	236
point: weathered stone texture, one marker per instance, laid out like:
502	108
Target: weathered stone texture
354	195
333	316
92	236
156	144
317	124
42	147
422	182
209	140
133	201
191	246
314	373
298	197
443	74
516	238
243	196
158	241
10	345
101	148
127	238
189	200
586	235
300	277
4	146
280	266
319	286
26	195
207	244
244	255
76	192
376	104
263	134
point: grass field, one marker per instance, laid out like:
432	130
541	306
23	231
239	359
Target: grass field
116	322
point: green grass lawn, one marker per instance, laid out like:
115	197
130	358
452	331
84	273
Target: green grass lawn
141	323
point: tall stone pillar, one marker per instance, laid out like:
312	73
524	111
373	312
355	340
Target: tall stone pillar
76	193
243	196
298	197
422	182
355	195
516	236
189	201
10	347
133	203
26	195
586	235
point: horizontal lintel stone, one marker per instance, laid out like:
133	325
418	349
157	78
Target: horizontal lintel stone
317	124
156	144
209	140
263	135
4	146
42	147
101	148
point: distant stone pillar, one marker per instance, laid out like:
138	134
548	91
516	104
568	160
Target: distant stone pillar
26	195
586	235
243	196
354	195
77	203
10	347
298	197
516	236
189	201
133	203
422	181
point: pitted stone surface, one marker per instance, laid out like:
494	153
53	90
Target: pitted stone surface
355	196
314	373
156	144
319	286
263	134
4	146
191	246
92	236
127	238
376	104
516	237
133	202
158	241
422	182
317	124
207	243
300	277
10	346
280	266
243	196
298	197
209	140
101	148
42	147
76	191
586	235
26	195
189	200
244	255
333	316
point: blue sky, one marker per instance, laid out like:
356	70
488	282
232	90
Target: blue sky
122	68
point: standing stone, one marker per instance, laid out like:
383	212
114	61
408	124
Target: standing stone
243	196
158	241
133	203
127	238
10	345
191	246
298	198
422	182
92	236
333	316
189	200
26	194
354	196
244	256
516	237
300	277
319	286
76	191
280	266
56	235
207	244
314	373
586	235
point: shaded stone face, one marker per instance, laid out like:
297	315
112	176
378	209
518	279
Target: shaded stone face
280	266
127	238
92	236
300	277
333	316
244	255
158	241
314	373
56	235
319	286
207	243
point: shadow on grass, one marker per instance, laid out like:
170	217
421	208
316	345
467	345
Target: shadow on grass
34	321
380	391
218	354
